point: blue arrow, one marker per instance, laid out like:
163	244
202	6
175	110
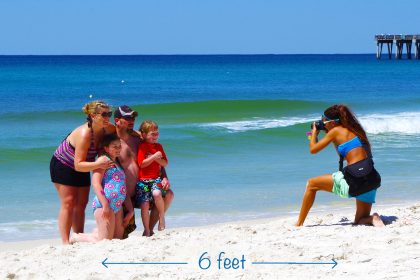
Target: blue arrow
333	262
104	263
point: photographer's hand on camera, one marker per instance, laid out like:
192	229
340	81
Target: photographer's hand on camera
315	131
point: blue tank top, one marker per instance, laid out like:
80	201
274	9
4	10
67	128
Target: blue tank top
346	147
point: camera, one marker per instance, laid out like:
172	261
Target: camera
319	125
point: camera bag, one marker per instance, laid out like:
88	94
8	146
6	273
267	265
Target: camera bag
361	176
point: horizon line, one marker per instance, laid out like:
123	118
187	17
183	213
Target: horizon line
215	54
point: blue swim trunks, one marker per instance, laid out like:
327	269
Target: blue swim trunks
341	188
145	188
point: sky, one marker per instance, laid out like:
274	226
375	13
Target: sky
65	27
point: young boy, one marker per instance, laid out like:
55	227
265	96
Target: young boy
150	158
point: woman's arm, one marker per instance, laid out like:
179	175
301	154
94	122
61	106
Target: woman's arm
81	146
315	146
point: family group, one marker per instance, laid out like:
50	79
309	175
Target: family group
128	171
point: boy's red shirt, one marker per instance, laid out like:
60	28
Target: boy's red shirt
144	151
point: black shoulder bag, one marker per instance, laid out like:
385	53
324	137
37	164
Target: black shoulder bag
361	176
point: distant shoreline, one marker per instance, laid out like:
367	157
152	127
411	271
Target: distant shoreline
154	55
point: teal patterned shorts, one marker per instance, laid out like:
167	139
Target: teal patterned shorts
145	188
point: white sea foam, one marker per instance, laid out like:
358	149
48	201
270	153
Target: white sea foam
258	123
36	229
399	123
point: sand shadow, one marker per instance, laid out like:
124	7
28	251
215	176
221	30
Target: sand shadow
330	225
389	219
343	222
346	222
340	223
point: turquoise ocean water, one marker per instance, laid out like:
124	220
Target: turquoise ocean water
233	128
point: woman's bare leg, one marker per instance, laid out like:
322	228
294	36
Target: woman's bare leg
82	199
323	183
68	197
363	216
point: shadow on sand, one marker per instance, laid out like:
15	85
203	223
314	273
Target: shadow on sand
346	222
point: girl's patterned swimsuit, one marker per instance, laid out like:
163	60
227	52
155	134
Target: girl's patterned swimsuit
114	189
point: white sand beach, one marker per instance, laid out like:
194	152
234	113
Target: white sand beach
361	252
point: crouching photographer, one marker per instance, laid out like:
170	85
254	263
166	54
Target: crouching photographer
359	179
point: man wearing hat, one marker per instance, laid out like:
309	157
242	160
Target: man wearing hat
124	118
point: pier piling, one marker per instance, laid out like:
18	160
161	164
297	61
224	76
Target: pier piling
380	41
400	40
417	43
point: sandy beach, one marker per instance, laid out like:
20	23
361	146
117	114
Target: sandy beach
392	252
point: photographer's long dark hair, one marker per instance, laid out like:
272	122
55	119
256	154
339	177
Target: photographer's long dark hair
347	120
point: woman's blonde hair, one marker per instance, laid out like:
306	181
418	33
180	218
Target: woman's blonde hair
92	108
147	126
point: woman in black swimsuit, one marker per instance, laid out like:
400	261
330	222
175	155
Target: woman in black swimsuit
72	162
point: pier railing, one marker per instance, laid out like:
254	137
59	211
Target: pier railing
399	40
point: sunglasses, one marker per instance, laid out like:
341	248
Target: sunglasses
106	114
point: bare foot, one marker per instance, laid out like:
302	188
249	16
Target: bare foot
73	239
146	233
377	221
161	225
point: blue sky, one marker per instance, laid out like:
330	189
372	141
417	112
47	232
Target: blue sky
201	27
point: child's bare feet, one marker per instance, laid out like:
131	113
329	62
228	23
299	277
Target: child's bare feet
377	221
146	233
161	225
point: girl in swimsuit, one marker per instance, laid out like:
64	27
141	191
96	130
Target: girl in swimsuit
72	162
346	133
111	193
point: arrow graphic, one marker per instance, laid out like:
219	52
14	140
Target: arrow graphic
105	263
333	262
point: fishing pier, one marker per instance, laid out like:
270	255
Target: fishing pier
400	41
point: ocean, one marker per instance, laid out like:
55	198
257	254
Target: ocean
233	128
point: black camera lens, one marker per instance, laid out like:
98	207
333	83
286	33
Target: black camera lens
319	125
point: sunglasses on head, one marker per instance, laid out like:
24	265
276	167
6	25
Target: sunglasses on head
327	119
106	114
